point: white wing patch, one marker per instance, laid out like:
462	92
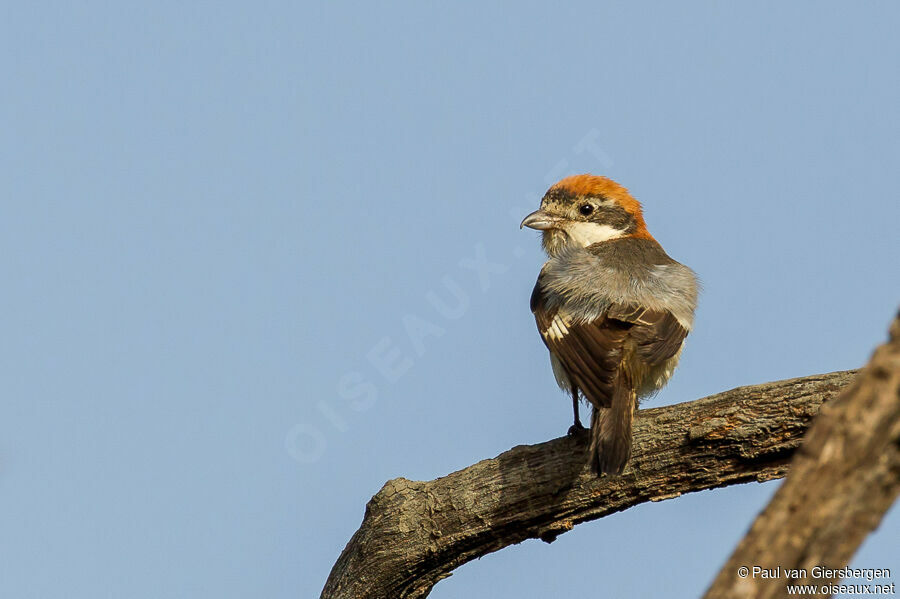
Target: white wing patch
558	328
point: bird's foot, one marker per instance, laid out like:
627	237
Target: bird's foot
576	429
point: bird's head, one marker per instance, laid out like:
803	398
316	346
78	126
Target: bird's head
583	210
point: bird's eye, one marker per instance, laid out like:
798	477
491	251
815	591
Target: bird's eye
586	209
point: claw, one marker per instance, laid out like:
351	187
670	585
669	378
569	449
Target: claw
576	430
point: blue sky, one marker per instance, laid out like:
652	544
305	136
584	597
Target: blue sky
244	255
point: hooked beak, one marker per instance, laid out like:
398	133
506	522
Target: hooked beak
540	220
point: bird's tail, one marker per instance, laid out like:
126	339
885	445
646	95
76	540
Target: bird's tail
611	429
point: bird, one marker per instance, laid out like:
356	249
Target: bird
611	306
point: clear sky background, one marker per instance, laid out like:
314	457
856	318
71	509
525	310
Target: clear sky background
218	219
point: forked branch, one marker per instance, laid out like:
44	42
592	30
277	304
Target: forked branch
843	479
415	533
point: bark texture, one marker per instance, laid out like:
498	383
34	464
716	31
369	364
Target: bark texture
843	479
415	533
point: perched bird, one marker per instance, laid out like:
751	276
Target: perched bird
611	306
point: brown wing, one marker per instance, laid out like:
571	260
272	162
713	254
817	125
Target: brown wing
592	352
657	333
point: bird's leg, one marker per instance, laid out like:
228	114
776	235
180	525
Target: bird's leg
577	427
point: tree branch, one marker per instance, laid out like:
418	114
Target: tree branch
415	533
844	478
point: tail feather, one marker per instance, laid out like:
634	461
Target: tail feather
611	429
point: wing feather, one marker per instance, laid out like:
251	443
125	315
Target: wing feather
592	352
